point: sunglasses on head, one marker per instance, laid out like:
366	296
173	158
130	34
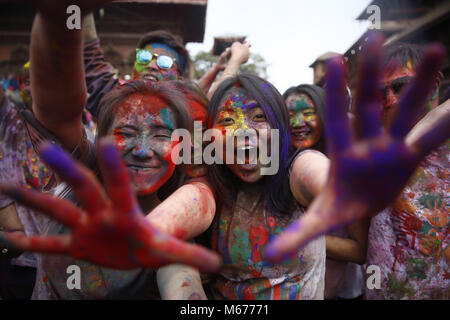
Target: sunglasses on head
144	56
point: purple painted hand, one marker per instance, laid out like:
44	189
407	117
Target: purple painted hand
370	165
108	229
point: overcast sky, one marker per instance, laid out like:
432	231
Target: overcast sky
289	34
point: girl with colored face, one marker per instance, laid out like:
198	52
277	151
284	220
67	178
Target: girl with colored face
239	113
253	207
303	120
343	245
142	129
305	105
141	117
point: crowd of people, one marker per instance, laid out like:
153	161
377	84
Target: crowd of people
88	177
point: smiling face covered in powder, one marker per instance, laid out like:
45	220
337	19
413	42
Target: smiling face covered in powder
239	111
304	121
146	65
142	129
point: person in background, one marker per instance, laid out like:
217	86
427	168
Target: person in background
20	164
409	241
160	56
306	107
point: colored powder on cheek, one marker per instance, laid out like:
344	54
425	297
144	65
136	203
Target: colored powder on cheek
139	67
119	140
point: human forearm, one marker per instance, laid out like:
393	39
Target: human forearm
208	78
239	54
231	70
308	176
180	282
89	30
321	217
99	75
187	213
57	77
343	249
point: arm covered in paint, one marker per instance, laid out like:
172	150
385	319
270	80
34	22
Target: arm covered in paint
109	227
351	249
57	77
100	75
308	176
208	78
240	53
57	73
186	213
370	165
180	282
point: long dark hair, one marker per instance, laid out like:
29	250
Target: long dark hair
276	187
317	95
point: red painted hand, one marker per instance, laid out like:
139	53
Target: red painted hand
108	229
369	168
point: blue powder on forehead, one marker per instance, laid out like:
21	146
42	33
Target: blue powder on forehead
166	118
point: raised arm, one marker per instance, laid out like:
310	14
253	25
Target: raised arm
100	75
240	53
57	76
208	78
57	71
89	30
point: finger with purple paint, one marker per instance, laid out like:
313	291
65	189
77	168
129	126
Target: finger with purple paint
367	102
413	102
83	182
337	128
116	177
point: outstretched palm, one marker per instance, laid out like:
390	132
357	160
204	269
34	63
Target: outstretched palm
108	230
369	165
